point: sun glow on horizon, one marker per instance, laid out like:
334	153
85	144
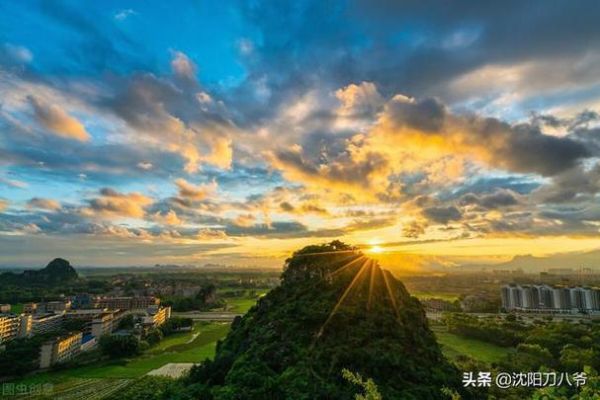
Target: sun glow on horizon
375	249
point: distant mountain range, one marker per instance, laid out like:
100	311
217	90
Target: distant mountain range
529	263
58	270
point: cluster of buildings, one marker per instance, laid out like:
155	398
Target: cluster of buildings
545	298
98	316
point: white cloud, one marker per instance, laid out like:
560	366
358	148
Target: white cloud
122	15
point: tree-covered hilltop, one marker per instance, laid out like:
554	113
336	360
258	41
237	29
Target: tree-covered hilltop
335	309
57	271
57	279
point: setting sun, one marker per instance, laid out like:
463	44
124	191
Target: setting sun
376	249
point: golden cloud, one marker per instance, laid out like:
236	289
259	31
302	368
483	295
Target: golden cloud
57	120
112	203
168	218
190	191
43	204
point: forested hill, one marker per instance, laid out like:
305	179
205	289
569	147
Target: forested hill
335	309
57	270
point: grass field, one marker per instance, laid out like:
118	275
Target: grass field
240	304
244	303
435	295
454	346
174	349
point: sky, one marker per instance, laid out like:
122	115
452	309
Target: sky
193	132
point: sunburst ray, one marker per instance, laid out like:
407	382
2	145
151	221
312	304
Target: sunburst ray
344	295
371	284
390	293
347	265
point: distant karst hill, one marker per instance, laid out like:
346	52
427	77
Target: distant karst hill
58	270
334	309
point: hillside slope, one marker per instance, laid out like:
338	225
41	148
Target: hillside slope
334	309
57	270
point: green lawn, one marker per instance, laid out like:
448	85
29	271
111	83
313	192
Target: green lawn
240	304
454	345
177	339
435	295
174	349
243	304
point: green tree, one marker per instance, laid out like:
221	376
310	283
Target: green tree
154	336
369	387
116	346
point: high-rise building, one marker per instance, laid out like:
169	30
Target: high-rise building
516	295
530	295
577	298
562	298
544	297
506	298
592	299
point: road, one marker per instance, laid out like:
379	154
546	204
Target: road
222	316
527	317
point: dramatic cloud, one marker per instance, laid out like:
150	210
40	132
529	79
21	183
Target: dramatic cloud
442	215
379	41
376	120
577	184
413	136
56	120
44	204
169	218
190	191
520	148
359	101
177	115
112	204
498	199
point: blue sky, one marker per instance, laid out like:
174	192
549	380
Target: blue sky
134	133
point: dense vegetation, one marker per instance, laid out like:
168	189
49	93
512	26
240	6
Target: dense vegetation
204	300
57	279
175	324
128	345
543	345
505	332
21	356
117	346
57	270
334	310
